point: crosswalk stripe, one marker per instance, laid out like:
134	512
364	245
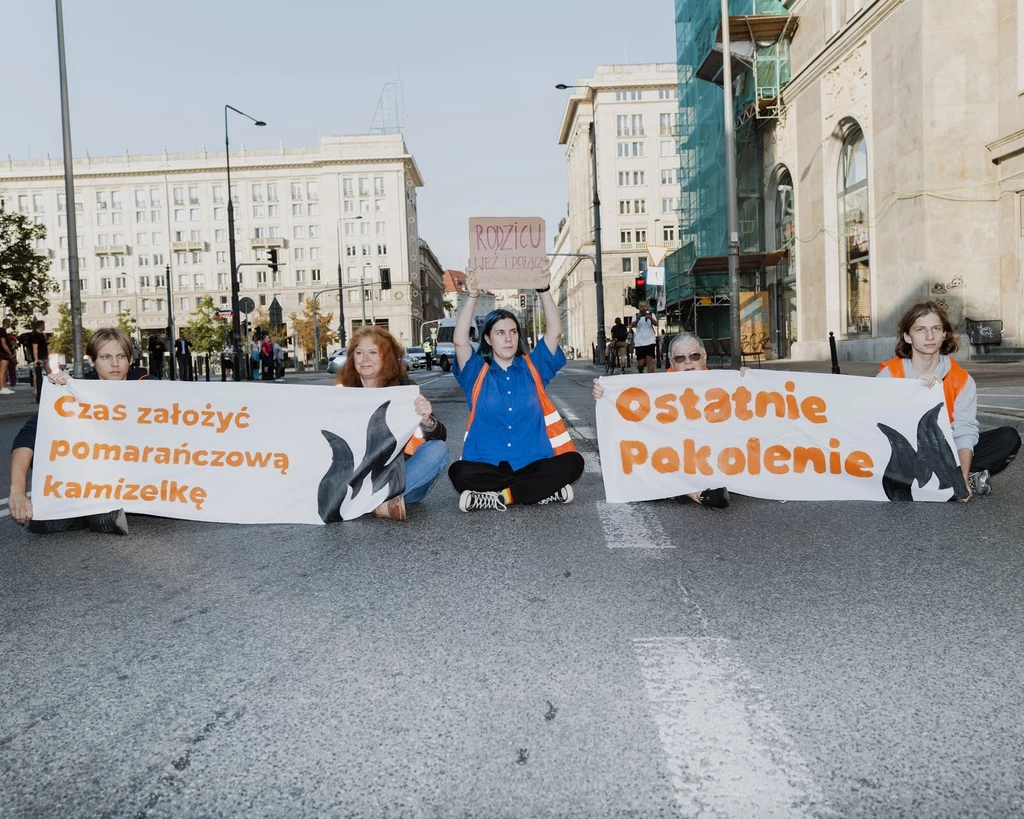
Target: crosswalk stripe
631	526
728	754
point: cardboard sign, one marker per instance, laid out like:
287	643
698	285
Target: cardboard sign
784	436
236	454
508	253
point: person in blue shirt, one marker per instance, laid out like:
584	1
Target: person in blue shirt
517	449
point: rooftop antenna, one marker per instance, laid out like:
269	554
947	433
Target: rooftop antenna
390	115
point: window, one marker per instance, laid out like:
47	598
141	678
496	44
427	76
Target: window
156	215
380	205
625	178
222	280
364	228
102	218
843	11
350	228
222	257
296	190
314	231
37	203
350	250
275	276
179	196
261	278
183	303
220	235
296	210
179	215
641	238
641	264
314	274
273	211
263	299
116	218
668	205
62	220
300	278
620	96
382	250
140	199
636	96
143	281
193	215
622	125
364	186
198	281
158	258
346	185
667	124
101	200
62	203
257	192
193	195
382	228
314	253
364	205
353	273
311	190
156	198
626	237
627	264
274	232
219	214
668	233
629	149
195	236
366	250
350	206
271	191
181	258
257	211
669	147
101	239
108	307
666	93
299	232
625	206
223	301
313	209
636	123
233	193
669	177
146	305
298	253
218	194
855	245
143	261
158	237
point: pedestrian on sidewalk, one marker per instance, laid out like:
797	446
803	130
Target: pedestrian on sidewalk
7	356
686	354
279	354
374	359
110	350
183	356
38	353
157	348
517	449
267	359
925	343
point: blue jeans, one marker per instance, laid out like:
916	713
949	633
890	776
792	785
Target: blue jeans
427	464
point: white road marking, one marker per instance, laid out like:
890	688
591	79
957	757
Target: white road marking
587	432
728	753
997	406
631	526
4	501
569	414
4	513
430	380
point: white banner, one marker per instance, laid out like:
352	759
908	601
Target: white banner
233	453
784	436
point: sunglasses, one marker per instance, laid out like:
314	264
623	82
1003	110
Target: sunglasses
682	359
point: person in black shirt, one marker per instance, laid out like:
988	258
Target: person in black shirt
110	350
38	354
183	355
157	348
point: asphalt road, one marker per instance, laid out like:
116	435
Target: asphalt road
784	660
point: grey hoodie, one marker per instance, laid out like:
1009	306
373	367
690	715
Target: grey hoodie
965	408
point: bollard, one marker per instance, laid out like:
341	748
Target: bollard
835	355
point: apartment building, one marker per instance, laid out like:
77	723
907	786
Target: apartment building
344	207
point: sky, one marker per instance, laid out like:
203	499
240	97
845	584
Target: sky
481	111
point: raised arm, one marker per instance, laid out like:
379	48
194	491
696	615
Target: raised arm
460	335
552	318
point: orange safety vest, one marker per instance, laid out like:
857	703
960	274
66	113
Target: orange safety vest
558	435
952	384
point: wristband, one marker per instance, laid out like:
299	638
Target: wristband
543	289
472	295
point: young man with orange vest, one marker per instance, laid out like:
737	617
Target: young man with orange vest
925	342
517	449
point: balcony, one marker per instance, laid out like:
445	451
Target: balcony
111	250
266	241
190	245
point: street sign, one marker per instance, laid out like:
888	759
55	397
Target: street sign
246	305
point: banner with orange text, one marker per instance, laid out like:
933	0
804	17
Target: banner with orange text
234	453
777	435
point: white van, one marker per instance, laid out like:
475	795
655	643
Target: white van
444	348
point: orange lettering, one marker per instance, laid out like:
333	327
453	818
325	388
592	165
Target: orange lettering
803	455
59	449
670	413
813	409
775	458
754	456
859	464
794	410
764	399
835	464
731	460
689	401
633	454
696	460
665	460
718	408
625	401
60	403
742	398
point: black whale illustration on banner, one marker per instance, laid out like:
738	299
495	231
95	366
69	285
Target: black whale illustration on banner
932	457
342	475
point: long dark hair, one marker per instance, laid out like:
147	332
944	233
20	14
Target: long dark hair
950	341
490	320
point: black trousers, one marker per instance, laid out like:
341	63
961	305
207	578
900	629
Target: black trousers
532	483
995	450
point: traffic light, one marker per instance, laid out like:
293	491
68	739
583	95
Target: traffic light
641	284
630	295
522	301
272	259
385	278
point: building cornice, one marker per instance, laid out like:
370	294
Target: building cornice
867	20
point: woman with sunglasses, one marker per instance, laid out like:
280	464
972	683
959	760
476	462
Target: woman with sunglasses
686	354
517	449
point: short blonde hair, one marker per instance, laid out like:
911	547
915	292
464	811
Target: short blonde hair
105	334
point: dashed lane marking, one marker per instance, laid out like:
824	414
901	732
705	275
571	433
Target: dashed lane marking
631	526
728	754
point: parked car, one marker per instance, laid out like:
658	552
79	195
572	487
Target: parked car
336	360
415	358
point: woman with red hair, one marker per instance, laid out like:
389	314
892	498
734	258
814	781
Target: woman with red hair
375	360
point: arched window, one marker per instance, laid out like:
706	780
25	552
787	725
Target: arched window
784	296
854	241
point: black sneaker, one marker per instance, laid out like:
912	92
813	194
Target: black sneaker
53	527
981	482
109	523
715	498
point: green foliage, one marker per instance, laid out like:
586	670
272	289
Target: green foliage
25	284
126	321
304	328
61	340
204	331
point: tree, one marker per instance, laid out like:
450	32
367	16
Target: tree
304	328
449	305
126	321
25	283
61	339
261	318
205	331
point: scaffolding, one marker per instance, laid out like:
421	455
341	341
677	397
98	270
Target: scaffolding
760	30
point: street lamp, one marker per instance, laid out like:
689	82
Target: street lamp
236	328
598	271
341	289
